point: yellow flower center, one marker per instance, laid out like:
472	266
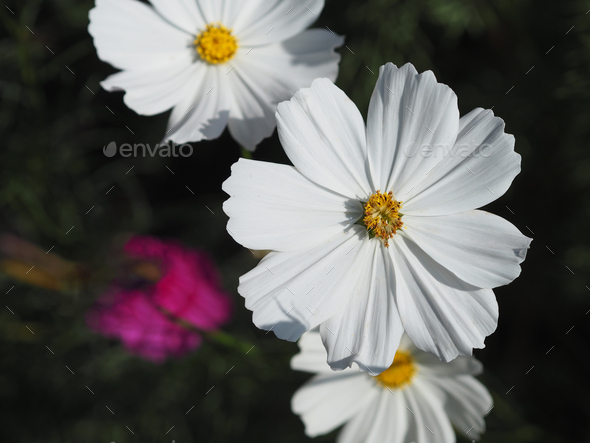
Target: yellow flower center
382	216
400	373
216	44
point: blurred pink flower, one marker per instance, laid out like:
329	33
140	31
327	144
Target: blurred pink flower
183	286
190	284
132	317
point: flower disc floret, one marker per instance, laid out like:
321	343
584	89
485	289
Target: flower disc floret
216	44
400	373
382	216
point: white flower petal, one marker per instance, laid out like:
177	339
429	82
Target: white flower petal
384	420
131	35
252	115
188	102
429	422
441	313
430	365
408	111
292	292
262	22
478	170
478	247
153	91
408	345
329	400
259	82
392	420
466	402
221	11
359	427
182	13
368	330
275	207
312	356
323	133
208	116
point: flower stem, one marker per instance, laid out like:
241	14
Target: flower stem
228	340
245	153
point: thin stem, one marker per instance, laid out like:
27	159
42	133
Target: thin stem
245	153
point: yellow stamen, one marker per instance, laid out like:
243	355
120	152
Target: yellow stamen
216	44
382	216
400	373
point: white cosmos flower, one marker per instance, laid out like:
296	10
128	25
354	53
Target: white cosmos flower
218	63
415	400
426	269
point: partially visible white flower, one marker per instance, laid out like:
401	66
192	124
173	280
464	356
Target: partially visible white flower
218	63
349	256
415	400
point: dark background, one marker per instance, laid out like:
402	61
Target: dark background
54	124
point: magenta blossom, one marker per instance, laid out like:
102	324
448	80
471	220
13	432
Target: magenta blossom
181	295
190	285
132	317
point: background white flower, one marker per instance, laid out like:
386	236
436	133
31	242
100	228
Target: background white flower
413	401
431	277
218	63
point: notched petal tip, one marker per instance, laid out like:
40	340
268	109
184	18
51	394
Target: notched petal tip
392	67
474	366
370	367
408	69
340	365
302	93
287	330
108	86
234	169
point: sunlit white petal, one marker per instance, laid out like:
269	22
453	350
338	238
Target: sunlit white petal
368	329
477	170
467	401
208	117
262	22
259	82
329	400
292	292
131	35
185	14
266	196
478	247
323	133
441	313
408	111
